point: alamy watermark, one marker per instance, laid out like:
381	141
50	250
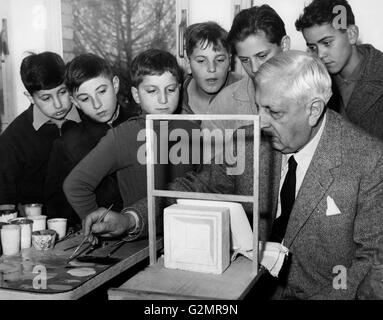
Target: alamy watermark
200	146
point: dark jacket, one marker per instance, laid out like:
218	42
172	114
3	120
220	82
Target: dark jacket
365	107
67	152
24	154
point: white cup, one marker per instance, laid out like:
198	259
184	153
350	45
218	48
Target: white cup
39	222
25	231
10	239
58	225
33	209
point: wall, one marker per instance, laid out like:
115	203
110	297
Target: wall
33	26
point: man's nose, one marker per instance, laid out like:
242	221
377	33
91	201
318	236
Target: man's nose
265	123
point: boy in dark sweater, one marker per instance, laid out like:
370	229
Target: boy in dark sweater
26	143
156	80
93	88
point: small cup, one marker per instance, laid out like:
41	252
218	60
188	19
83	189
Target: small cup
39	222
43	239
58	225
26	231
10	239
7	212
33	209
1	225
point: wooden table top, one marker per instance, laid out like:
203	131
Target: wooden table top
22	276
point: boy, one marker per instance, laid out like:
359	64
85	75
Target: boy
156	79
356	70
257	34
26	143
208	56
93	88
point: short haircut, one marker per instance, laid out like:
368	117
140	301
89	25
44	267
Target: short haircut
85	67
303	75
154	62
43	71
250	21
320	12
206	33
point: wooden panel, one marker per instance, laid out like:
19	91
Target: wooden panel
157	282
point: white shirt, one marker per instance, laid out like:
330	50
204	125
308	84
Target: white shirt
303	158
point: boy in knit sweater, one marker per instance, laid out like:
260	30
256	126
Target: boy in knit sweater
156	80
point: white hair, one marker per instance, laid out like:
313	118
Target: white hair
302	75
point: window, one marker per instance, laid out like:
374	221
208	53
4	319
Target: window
117	30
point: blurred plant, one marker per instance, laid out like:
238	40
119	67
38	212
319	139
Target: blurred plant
117	30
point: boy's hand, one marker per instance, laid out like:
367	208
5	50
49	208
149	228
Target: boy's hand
113	225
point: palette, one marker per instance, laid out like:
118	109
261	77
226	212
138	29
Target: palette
48	271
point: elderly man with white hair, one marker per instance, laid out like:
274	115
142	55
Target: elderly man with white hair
321	183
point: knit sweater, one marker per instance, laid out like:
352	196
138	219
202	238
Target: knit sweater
119	151
66	153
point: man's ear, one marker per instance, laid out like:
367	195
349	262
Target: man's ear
29	97
353	34
116	84
135	95
285	43
316	108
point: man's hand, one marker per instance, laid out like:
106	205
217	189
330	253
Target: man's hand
113	225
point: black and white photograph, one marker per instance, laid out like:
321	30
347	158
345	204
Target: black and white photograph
191	157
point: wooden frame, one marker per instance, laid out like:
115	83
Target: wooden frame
152	192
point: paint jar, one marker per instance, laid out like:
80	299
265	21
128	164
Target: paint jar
58	225
10	239
1	225
7	212
39	222
33	209
25	231
43	239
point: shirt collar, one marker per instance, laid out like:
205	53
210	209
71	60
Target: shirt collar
304	156
115	116
39	118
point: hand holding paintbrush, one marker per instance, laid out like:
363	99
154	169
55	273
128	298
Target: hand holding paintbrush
100	219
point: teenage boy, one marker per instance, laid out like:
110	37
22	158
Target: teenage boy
257	34
156	80
329	29
26	143
93	87
208	56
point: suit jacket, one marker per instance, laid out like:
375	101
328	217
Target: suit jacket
348	167
365	107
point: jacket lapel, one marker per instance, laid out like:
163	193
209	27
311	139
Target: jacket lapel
318	177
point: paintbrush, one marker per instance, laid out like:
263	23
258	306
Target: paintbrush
100	219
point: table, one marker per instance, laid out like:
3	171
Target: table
159	283
22	276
